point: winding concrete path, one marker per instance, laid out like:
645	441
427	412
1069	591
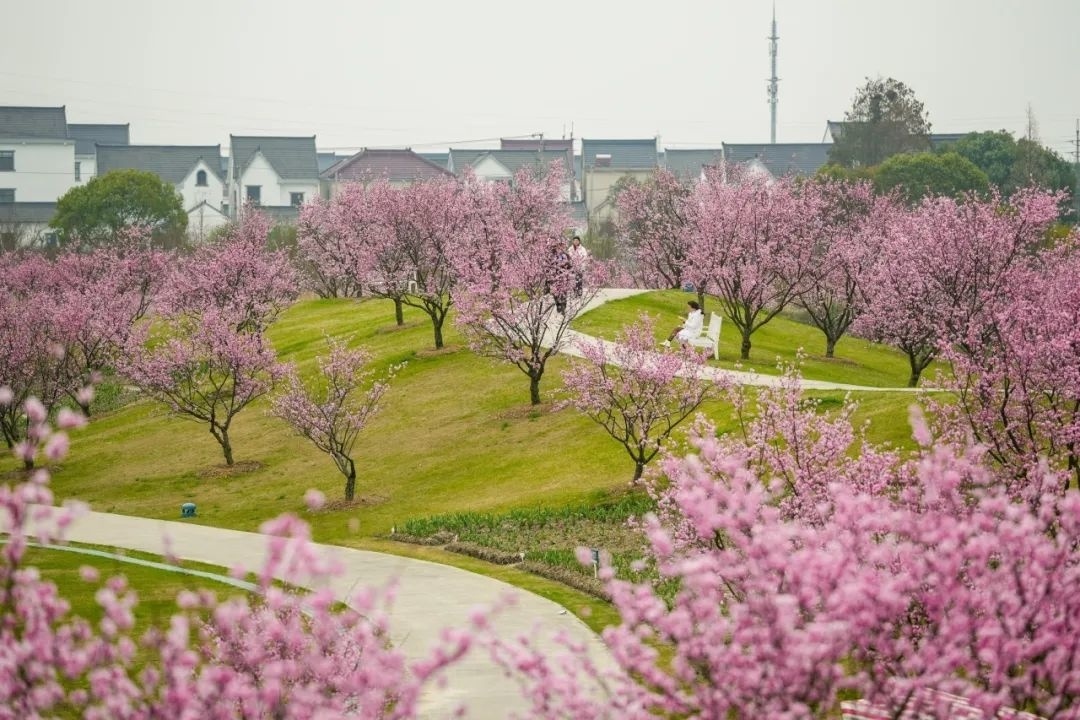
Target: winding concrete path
429	596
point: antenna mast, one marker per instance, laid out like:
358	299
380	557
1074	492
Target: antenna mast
773	81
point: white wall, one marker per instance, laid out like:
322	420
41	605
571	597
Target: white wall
43	170
310	188
213	192
260	173
87	168
202	220
491	169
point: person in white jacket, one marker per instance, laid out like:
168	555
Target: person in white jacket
691	327
579	256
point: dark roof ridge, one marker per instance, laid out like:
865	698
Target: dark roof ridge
273	137
113	145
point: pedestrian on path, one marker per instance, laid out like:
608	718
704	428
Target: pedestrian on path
579	257
690	328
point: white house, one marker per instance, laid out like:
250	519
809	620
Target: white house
86	137
272	172
195	171
37	158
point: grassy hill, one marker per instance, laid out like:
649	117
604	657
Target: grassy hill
456	434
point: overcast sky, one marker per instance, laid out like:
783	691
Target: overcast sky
429	74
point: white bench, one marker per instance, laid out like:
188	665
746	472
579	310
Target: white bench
711	338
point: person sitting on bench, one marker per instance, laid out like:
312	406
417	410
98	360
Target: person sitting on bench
690	328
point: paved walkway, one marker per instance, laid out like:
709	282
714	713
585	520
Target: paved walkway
429	596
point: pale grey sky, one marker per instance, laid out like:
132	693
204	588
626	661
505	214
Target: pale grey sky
430	73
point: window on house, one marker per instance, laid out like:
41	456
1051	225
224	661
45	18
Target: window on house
200	178
7	160
78	171
296	199
7	195
254	193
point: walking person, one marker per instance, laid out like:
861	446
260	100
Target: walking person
579	257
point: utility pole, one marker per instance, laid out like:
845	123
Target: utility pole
1076	146
773	81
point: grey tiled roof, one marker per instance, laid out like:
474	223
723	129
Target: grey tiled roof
625	154
27	212
688	163
512	160
33	122
171	163
459	159
781	158
87	135
293	158
439	158
394	165
328	159
564	144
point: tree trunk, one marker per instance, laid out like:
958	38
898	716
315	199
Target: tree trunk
916	371
438	333
399	311
639	468
350	482
28	464
701	299
534	389
222	437
85	407
830	347
744	351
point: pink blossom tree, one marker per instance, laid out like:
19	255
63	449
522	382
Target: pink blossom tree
32	354
944	267
653	220
854	221
367	213
327	254
205	369
511	284
752	240
638	395
238	277
97	299
1016	383
409	256
333	412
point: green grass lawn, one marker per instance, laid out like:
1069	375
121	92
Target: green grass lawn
456	434
156	588
856	361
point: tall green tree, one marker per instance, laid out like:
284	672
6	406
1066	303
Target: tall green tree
94	214
1037	164
992	152
1011	164
929	174
885	119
